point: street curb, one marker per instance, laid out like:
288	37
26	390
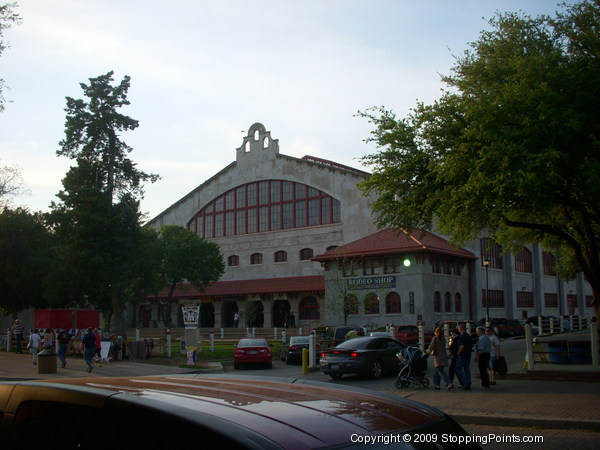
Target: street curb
525	422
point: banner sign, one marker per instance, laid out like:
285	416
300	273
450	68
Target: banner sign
190	315
372	283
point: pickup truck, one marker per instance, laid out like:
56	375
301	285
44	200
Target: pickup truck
409	334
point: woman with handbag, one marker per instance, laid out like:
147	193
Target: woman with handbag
437	348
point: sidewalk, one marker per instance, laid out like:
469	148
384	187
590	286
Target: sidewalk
516	401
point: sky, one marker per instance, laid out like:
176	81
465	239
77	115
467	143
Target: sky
202	72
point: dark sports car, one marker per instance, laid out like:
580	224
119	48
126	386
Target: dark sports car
372	356
217	411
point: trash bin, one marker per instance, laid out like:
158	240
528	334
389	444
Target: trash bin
580	352
46	361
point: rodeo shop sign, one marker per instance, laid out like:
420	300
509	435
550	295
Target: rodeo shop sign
372	283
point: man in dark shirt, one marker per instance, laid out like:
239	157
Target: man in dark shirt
463	363
89	348
63	339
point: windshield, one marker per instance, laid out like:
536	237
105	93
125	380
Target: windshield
252	343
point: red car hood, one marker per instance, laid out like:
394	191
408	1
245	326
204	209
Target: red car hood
292	413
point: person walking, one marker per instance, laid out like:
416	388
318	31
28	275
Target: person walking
482	357
17	330
494	353
63	340
48	339
453	356
34	344
437	348
88	345
463	363
98	354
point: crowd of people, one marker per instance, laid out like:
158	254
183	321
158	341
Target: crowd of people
60	341
457	357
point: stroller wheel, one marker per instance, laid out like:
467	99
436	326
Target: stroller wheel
425	382
398	384
416	384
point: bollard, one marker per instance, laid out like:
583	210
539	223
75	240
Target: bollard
304	360
211	337
137	334
222	334
529	356
594	341
168	343
311	351
275	333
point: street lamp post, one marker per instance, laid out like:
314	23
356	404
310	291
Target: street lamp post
486	264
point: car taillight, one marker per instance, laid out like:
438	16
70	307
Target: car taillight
239	350
323	354
354	355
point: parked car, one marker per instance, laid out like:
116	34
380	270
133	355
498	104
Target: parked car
409	334
503	327
252	351
231	412
373	356
339	334
291	352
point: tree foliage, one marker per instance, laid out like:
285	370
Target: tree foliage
98	218
8	17
11	184
186	256
512	144
26	249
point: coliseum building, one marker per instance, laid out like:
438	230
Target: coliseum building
299	237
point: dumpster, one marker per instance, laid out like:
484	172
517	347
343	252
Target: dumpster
558	352
580	352
46	361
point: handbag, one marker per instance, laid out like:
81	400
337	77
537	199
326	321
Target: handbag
500	365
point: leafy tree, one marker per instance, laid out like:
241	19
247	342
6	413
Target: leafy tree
11	184
98	217
512	144
8	17
186	256
25	246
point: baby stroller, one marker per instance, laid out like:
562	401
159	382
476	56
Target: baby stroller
414	366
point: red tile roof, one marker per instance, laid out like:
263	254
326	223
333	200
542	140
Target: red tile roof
308	284
395	241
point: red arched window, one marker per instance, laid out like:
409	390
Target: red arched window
309	309
392	303
437	302
268	205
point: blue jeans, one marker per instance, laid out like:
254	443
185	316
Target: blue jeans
463	371
19	338
440	373
62	352
88	354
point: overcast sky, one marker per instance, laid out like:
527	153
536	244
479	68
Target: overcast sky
202	72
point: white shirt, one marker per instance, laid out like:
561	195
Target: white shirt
495	343
34	340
